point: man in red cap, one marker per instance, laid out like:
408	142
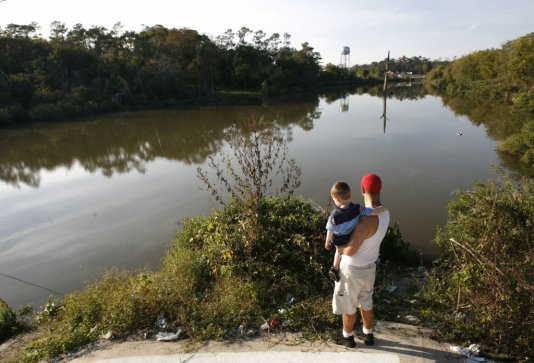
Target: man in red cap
358	266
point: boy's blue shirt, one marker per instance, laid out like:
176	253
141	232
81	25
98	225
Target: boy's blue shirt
343	220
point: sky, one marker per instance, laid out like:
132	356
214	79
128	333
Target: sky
436	29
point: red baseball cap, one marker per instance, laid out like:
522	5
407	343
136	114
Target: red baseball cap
371	183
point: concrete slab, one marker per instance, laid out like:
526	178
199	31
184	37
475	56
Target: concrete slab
261	357
394	343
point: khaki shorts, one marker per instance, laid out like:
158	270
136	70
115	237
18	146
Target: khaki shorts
354	289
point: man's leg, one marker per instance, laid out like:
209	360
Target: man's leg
367	319
348	331
348	323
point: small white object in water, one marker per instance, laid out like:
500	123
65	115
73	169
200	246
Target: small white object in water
459	133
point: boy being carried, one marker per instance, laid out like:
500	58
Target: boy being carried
342	221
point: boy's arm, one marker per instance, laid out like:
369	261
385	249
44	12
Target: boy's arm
328	241
358	235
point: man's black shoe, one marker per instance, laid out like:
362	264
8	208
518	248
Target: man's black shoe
348	342
333	274
368	339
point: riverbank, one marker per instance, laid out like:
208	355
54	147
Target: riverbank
394	342
395	298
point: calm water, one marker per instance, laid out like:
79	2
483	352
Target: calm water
77	198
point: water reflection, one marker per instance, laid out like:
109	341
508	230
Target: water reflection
121	143
344	104
499	121
124	142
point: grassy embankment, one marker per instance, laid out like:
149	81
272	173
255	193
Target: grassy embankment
228	269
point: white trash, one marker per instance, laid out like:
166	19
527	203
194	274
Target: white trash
169	336
470	352
412	319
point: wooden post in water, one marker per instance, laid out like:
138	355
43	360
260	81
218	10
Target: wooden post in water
386	73
384	92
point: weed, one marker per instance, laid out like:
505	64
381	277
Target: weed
481	291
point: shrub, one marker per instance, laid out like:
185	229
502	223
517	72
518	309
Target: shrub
481	290
45	112
278	246
4	115
8	321
256	167
395	249
521	144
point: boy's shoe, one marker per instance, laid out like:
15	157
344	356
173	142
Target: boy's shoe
333	274
347	342
368	339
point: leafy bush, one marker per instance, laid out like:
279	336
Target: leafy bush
45	112
482	290
521	144
8	321
395	249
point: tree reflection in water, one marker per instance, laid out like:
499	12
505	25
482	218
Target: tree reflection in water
120	143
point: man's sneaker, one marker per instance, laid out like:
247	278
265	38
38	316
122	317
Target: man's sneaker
368	339
333	274
347	342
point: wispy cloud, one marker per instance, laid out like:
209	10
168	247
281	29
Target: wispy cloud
473	26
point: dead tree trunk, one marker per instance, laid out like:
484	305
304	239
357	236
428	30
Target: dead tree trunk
384	93
386	73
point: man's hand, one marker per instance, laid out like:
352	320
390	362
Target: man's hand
379	210
366	227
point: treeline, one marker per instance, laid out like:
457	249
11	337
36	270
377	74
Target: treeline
417	65
491	77
80	71
372	73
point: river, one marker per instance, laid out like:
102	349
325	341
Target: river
80	197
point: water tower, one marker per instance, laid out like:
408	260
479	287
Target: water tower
345	57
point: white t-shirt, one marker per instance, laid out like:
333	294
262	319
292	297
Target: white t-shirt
368	251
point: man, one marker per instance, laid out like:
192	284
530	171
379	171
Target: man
358	266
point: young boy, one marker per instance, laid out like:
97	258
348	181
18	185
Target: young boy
342	221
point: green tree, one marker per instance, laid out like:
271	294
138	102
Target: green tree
520	54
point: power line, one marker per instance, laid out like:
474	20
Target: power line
27	282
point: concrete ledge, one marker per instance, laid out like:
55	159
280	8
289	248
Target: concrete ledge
261	357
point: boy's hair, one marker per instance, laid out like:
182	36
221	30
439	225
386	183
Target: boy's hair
340	190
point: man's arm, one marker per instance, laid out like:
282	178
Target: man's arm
358	235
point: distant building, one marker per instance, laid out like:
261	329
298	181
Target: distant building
404	75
